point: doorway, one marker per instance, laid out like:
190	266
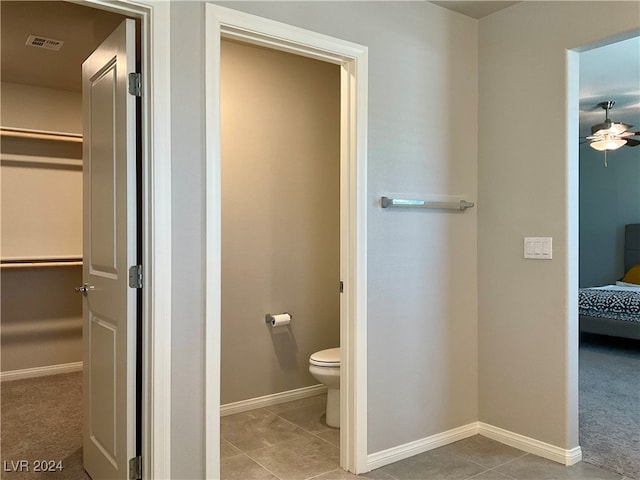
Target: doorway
608	201
44	231
280	128
351	58
155	225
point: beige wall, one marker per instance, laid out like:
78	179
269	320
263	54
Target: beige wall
280	217
40	204
528	187
41	208
424	347
422	115
187	229
26	106
41	317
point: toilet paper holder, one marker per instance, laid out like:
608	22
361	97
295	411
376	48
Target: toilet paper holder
278	319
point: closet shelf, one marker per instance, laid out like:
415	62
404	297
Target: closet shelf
40	134
41	262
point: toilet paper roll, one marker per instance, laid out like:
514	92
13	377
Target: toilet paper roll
280	319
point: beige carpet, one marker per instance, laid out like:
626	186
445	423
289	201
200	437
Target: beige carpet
42	420
610	403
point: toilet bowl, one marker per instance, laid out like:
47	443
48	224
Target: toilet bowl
325	367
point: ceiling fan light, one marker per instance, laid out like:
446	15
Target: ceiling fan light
601	128
608	127
618	128
608	144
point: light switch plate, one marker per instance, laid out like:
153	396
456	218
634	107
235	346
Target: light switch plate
538	248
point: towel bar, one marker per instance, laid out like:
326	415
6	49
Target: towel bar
462	205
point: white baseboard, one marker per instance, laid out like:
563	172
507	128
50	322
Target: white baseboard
531	445
40	371
394	454
269	400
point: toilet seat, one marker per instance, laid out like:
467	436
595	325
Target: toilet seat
326	358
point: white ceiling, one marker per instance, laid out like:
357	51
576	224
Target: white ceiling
474	9
81	28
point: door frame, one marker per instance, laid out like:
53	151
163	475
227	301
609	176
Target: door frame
156	227
572	121
353	61
572	185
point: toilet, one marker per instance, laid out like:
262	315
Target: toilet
325	367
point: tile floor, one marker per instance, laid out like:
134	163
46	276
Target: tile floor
290	441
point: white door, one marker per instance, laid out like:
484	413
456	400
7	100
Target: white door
109	244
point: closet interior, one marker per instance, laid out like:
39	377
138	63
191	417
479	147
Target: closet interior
41	212
43	45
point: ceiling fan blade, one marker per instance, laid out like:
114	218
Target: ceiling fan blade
609	127
632	142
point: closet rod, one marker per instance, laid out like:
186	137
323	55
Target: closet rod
40	134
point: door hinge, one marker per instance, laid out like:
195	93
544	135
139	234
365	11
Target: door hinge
341	287
135	276
135	468
135	84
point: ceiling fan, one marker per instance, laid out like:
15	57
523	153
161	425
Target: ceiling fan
609	135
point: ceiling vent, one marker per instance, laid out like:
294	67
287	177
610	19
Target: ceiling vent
44	42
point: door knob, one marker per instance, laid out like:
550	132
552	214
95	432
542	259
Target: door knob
84	289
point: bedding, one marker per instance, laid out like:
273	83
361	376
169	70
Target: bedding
618	302
615	309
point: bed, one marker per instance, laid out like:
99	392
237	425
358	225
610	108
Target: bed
614	309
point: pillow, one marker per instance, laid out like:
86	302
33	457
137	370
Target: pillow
632	275
623	284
